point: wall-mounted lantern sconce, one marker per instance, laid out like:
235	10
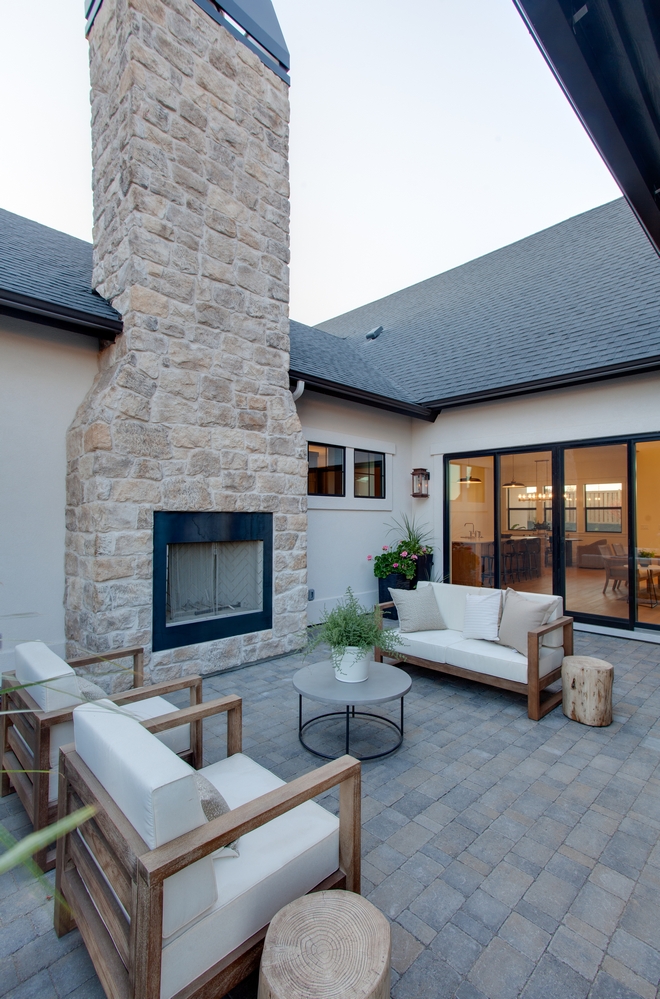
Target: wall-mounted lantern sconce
420	483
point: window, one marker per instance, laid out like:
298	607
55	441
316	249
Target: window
327	464
602	507
369	474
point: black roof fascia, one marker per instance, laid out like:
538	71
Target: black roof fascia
606	63
366	398
22	307
546	384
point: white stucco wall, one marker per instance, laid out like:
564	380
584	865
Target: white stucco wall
612	408
44	375
342	531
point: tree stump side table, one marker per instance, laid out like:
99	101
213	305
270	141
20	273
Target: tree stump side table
587	690
327	945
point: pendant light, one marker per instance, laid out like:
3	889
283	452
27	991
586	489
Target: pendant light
513	484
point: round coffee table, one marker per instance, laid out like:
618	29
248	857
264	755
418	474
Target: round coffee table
318	683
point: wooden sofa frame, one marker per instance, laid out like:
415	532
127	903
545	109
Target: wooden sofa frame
26	762
539	703
126	953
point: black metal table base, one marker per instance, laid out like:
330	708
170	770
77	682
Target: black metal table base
349	713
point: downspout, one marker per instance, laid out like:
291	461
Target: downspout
299	389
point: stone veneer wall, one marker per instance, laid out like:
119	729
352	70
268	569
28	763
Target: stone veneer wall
191	409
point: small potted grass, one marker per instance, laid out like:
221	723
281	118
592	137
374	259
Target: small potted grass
352	631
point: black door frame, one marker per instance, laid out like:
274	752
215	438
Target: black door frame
557	449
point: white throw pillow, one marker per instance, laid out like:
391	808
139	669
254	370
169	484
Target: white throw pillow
482	615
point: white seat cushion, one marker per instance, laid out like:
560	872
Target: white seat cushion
278	862
54	684
157	793
499	660
429	644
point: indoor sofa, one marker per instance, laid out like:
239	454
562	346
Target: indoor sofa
448	650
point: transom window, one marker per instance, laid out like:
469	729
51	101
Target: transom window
327	470
369	474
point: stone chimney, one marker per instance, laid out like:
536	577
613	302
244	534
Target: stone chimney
191	411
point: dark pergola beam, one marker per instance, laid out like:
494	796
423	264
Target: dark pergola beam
604	54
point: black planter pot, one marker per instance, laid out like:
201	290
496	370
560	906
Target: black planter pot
397	581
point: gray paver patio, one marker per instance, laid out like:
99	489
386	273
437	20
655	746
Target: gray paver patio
514	858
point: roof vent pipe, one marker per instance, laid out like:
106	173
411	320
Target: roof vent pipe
373	334
299	389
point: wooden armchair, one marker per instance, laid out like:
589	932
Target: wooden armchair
37	720
114	885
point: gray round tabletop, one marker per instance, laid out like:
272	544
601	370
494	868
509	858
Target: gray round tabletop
384	683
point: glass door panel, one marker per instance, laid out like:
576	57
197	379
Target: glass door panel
471	521
596	530
647	551
526	521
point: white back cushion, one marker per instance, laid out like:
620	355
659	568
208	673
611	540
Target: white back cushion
451	601
156	792
55	683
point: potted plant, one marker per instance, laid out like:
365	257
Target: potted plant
352	631
404	563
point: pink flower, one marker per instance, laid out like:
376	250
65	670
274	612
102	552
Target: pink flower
396	565
369	558
414	556
404	554
385	548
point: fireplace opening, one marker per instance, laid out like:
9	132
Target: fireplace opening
211	579
212	576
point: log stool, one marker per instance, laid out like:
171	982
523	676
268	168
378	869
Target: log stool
587	690
327	945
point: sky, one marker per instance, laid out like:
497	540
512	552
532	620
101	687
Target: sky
423	135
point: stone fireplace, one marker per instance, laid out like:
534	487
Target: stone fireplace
191	412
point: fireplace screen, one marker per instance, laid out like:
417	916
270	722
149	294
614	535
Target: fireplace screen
213	576
213	579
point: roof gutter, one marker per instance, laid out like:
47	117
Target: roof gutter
20	306
366	398
547	384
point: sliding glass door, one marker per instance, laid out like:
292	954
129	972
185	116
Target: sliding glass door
596	530
647	519
580	520
472	521
525	549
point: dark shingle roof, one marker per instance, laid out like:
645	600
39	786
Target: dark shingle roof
47	268
580	296
333	365
333	359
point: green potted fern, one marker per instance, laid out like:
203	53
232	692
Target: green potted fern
352	631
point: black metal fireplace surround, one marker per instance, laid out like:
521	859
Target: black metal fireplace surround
191	528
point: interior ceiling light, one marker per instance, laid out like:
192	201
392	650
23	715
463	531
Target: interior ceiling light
468	479
514	484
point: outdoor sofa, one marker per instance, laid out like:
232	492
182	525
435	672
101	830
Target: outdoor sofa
448	650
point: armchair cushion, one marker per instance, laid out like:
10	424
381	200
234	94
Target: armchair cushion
55	684
155	790
279	861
